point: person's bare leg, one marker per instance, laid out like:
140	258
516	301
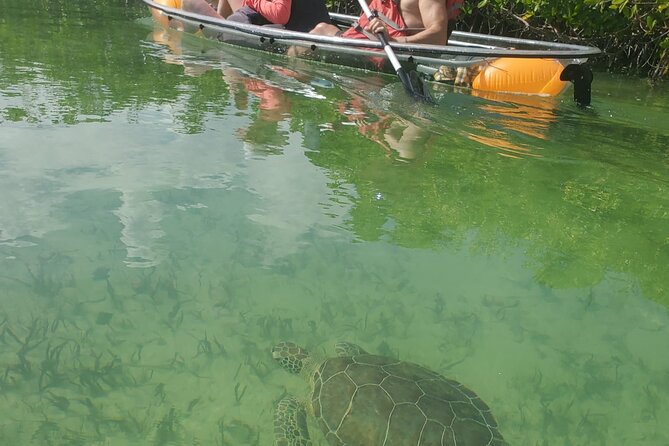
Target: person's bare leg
322	29
325	29
227	7
201	7
224	8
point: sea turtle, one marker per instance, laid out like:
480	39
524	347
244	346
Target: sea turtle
360	399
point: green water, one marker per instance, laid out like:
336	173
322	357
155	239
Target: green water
161	228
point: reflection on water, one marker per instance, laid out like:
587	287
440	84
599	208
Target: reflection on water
400	137
132	168
515	125
164	224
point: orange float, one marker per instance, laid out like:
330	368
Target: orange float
529	76
160	16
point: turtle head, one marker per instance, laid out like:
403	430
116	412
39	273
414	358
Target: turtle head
291	356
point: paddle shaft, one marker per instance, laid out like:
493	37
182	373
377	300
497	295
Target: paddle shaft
382	37
401	73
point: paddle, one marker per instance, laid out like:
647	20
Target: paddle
401	73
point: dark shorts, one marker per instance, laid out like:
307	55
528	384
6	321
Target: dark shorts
246	14
451	26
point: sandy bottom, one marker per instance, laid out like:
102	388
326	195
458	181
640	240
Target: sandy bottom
93	352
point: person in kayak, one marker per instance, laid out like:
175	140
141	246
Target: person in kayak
294	15
403	21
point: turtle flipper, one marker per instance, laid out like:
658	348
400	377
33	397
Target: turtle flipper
290	424
347	349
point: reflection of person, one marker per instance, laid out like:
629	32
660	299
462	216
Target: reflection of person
273	108
393	133
403	21
172	40
295	15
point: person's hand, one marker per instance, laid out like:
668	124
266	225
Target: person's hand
376	26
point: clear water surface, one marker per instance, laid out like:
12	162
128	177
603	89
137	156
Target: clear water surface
171	208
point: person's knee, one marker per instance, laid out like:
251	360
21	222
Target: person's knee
199	7
324	29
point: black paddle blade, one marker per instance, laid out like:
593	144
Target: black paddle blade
414	85
581	76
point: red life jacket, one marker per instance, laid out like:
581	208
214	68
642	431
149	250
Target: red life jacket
390	9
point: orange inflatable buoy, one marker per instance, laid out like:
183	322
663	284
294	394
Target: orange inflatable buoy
529	76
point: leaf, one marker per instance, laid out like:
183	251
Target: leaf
665	43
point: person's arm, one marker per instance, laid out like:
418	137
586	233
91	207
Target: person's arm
276	11
434	17
435	20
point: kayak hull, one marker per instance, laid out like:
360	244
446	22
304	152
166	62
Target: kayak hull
501	64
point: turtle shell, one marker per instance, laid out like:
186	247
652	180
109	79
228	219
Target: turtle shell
369	400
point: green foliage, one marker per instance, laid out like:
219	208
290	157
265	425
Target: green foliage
634	34
650	19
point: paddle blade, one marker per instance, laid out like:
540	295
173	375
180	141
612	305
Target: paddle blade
414	85
581	76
